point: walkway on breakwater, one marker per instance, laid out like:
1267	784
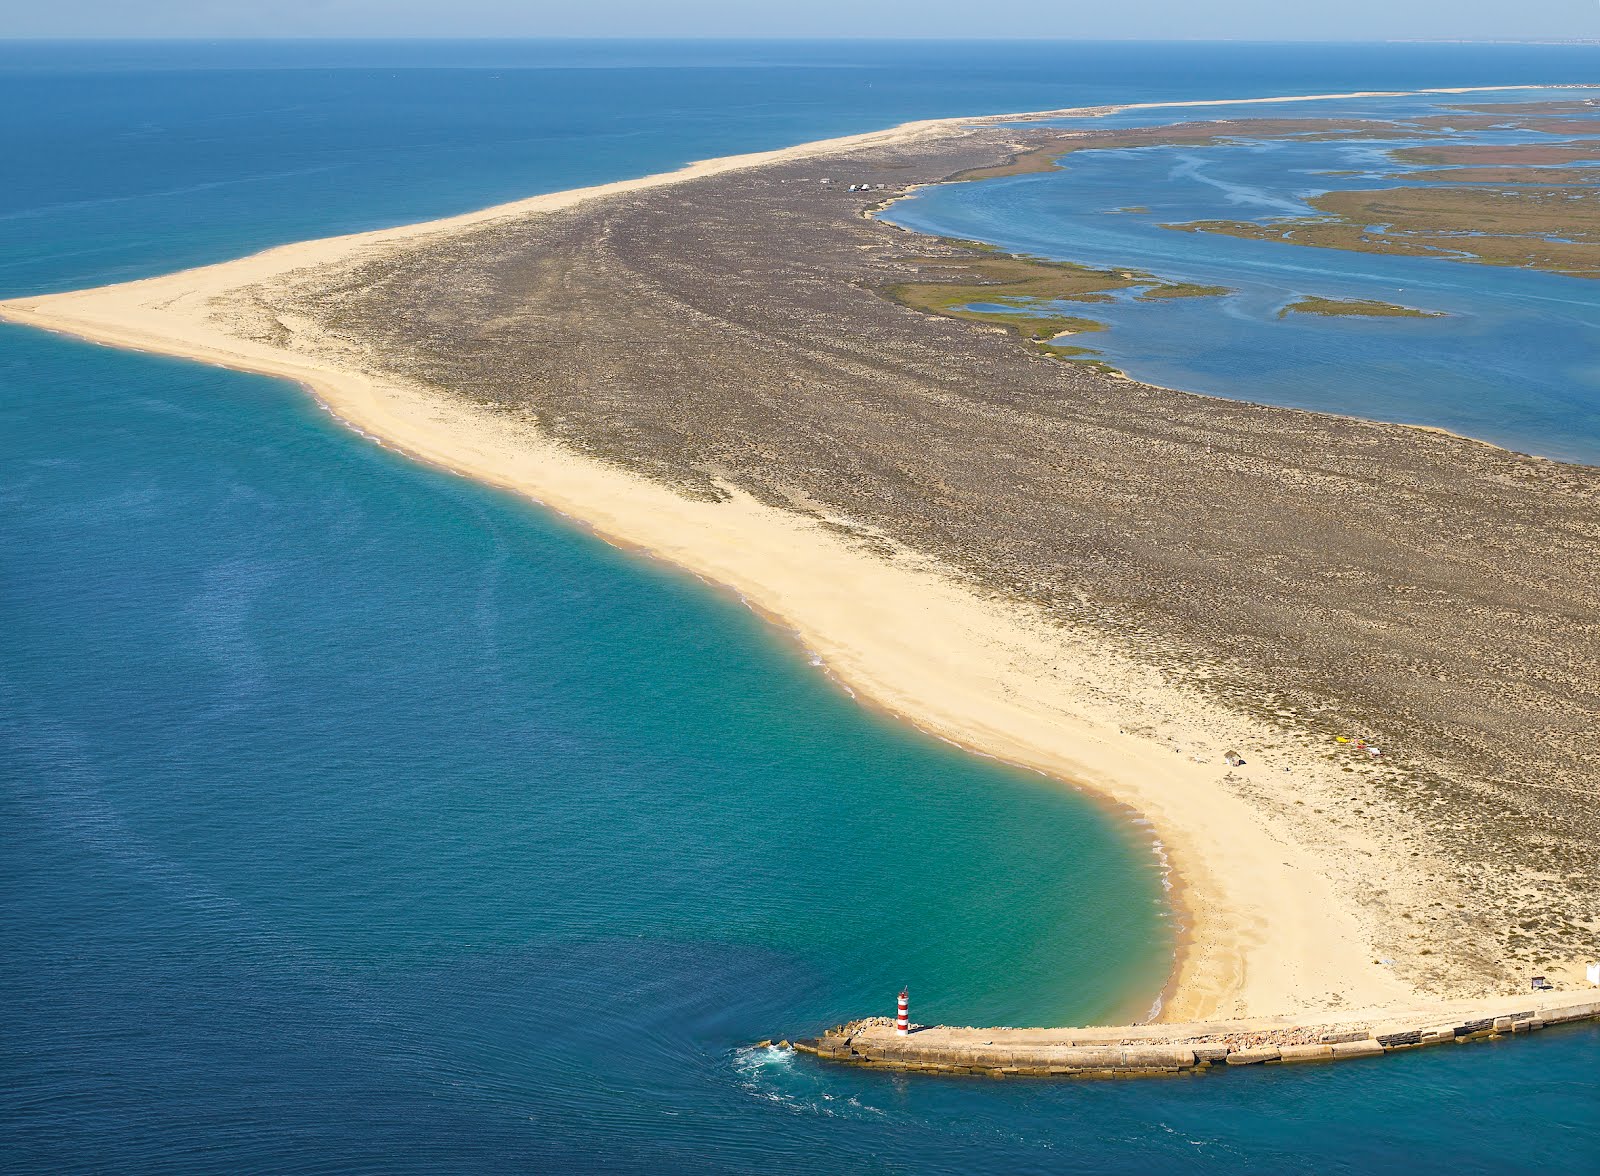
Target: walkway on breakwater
1138	1050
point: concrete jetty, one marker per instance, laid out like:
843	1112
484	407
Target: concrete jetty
1139	1050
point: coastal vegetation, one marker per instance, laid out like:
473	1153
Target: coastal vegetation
1447	154
1356	307
1181	290
1504	109
1047	156
1555	229
1504	175
979	283
1465	208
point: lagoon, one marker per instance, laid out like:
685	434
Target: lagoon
1512	361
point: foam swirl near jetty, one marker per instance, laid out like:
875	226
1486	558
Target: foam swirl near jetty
404	335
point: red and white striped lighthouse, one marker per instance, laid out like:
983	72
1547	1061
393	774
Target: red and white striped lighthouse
902	1019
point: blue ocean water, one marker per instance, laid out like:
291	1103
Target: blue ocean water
359	818
1514	362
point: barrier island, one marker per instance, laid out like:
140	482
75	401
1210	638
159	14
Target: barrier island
1348	671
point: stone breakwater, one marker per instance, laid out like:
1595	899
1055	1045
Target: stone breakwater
1143	1050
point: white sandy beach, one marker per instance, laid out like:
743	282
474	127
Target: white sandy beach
1273	925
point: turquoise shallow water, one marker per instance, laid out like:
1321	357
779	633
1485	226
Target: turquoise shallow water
356	817
1513	363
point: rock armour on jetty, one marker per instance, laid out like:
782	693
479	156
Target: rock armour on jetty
1142	1050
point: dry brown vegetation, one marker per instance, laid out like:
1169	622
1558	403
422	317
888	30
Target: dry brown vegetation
1046	156
1355	307
1027	289
1321	574
1536	109
1504	175
1495	226
1493	154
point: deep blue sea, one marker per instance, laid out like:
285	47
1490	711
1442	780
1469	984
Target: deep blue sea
355	817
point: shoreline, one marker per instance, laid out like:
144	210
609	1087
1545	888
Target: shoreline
1260	936
1210	956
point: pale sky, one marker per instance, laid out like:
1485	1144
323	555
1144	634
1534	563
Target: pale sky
1344	20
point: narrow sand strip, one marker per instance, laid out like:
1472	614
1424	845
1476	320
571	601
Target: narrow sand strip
1266	929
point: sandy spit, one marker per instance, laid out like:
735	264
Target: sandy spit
1266	932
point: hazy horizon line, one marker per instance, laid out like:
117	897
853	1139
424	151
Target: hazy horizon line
731	37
